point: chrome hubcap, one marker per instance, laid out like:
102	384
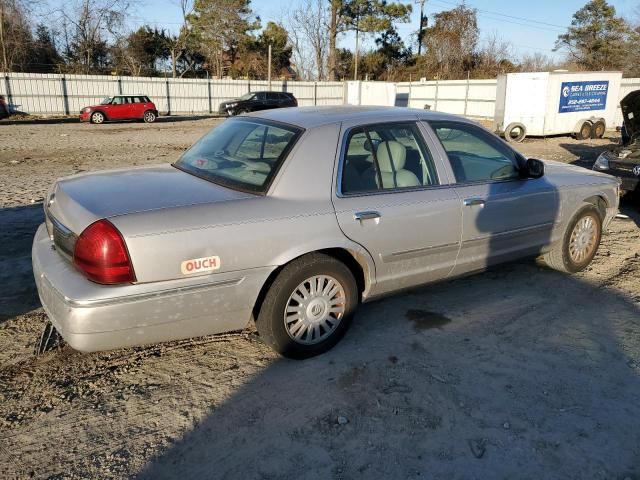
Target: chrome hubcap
98	118
314	309
149	116
583	239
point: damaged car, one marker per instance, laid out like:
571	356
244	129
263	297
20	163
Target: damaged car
291	218
623	161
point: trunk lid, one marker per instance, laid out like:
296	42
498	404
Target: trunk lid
77	201
630	106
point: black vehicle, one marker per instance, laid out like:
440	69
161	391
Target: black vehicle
623	161
253	101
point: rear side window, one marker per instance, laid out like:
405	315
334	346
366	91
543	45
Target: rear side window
272	96
244	154
474	154
386	157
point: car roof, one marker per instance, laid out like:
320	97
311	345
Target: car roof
309	117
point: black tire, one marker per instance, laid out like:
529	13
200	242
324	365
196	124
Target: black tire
585	131
559	257
598	129
242	110
271	318
149	116
515	132
97	117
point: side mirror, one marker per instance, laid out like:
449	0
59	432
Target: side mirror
534	168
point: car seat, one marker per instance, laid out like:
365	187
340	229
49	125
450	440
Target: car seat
391	157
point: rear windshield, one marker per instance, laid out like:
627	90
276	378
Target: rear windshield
242	153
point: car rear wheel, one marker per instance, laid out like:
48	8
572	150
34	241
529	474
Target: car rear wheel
309	306
149	117
585	131
97	117
580	242
515	132
598	129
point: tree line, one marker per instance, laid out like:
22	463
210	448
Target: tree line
226	38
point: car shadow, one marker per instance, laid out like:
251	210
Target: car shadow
518	382
18	225
520	372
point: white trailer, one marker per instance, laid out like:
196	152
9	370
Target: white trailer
582	104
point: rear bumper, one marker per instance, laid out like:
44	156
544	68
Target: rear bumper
92	317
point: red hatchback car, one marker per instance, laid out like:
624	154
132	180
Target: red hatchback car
121	107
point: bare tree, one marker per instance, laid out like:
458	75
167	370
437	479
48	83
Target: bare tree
536	62
308	33
494	57
177	44
15	34
336	7
91	21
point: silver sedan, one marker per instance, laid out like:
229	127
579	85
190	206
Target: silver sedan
293	217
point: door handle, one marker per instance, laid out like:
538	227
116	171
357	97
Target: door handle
470	202
370	215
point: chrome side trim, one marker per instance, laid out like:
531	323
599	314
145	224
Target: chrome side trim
419	252
510	233
137	297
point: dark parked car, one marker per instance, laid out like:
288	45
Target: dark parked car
121	107
4	109
254	101
623	161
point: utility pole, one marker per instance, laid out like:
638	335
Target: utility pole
269	68
355	68
422	25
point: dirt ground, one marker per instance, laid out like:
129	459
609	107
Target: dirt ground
520	372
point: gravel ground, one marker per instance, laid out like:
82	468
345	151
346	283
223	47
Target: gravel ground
518	372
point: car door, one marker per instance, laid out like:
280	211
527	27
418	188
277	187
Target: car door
137	107
118	109
259	101
273	100
504	215
392	197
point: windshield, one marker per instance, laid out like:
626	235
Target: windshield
106	101
247	96
244	154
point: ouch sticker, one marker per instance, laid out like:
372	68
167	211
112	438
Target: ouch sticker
199	265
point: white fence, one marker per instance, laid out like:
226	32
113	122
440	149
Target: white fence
66	94
51	94
475	98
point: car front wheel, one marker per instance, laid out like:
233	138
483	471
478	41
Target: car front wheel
149	117
309	306
579	244
97	117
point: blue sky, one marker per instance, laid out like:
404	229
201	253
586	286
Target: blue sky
534	30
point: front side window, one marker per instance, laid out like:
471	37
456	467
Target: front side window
386	157
117	101
475	155
244	154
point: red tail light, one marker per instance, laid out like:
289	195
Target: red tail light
101	254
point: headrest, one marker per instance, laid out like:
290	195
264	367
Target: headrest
388	152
